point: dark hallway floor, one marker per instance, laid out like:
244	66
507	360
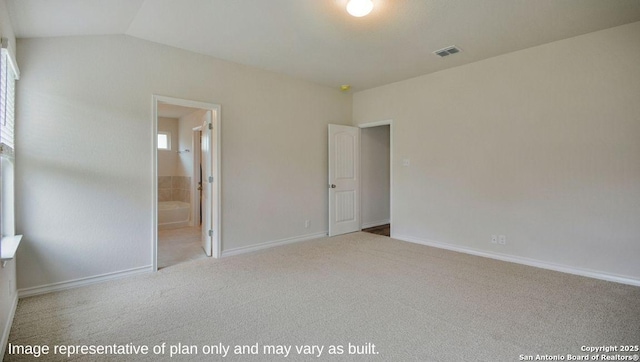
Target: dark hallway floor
384	230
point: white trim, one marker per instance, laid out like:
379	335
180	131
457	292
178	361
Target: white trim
272	244
11	58
81	282
375	223
387	122
524	261
154	183
8	247
215	109
185	102
7	326
217	242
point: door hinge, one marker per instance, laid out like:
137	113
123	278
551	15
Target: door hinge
210	179
210	125
211	233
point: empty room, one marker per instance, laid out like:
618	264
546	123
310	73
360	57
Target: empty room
385	180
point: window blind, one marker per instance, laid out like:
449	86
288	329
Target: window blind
7	102
9	73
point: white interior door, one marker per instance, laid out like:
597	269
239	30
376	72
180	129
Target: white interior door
196	209
206	146
344	179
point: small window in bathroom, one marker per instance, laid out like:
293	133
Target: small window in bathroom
164	141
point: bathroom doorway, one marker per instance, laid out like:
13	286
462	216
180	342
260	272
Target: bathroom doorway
186	179
376	180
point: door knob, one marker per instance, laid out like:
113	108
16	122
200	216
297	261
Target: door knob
333	186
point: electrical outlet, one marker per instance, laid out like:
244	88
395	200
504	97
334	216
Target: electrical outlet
494	239
502	239
307	223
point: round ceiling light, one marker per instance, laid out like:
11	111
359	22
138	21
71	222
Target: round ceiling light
359	8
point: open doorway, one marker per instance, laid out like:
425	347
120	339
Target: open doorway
186	179
375	161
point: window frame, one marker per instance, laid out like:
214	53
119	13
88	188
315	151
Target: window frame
8	79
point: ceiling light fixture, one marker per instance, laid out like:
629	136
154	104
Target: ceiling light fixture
359	8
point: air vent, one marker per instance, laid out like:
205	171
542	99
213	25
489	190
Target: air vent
447	51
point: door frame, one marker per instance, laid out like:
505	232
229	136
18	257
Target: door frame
217	120
388	122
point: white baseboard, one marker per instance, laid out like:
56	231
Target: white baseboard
271	244
54	287
521	260
7	326
375	223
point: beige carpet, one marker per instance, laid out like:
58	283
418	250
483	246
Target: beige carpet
414	303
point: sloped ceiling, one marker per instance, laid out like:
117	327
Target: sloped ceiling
318	41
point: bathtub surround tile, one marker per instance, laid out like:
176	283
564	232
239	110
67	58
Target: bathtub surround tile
164	195
186	182
177	195
164	188
164	182
180	182
174	188
181	188
187	196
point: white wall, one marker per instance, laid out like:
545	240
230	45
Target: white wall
8	294
168	160
374	161
84	197
186	126
541	145
6	29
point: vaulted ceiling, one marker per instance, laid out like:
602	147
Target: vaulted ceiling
318	41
